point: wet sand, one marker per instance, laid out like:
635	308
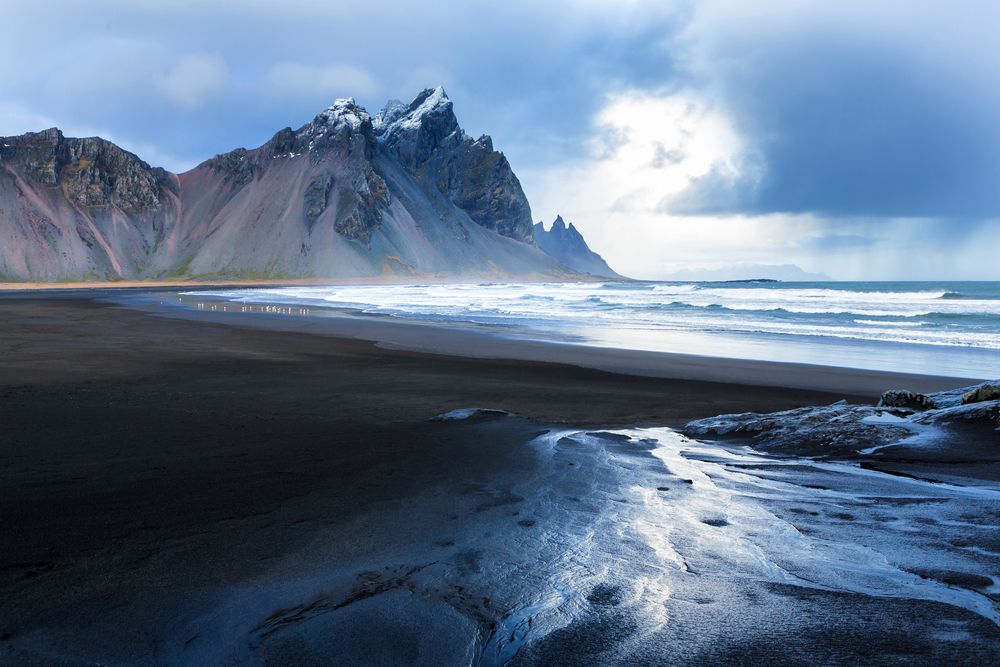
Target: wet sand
164	478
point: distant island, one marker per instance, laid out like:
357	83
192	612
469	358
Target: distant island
746	272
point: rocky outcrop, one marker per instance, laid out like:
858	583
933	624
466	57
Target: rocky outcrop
902	398
426	139
984	392
901	418
566	244
91	172
370	195
345	195
79	208
316	197
832	430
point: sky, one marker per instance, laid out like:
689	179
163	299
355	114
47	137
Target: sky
854	139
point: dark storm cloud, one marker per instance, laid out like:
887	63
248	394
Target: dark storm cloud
185	80
891	114
877	110
833	242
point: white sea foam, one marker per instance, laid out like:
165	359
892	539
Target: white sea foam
652	315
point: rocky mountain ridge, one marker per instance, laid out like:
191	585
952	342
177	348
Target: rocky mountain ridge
405	192
567	244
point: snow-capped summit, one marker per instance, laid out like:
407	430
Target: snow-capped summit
345	110
413	133
426	139
390	113
429	104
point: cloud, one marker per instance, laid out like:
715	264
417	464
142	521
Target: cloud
807	127
319	82
14	119
644	147
194	80
532	80
853	109
834	242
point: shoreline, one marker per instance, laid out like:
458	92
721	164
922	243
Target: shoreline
187	487
465	340
210	283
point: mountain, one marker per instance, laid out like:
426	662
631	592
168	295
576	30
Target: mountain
405	193
568	246
734	272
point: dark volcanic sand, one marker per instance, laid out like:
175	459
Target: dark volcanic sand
149	465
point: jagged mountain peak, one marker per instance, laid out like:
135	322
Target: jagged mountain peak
390	113
342	119
343	111
415	131
428	100
91	171
426	139
567	244
569	232
342	126
406	191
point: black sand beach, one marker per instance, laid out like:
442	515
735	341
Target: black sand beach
168	480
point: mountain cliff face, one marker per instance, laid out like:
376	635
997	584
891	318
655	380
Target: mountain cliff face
79	208
346	195
568	246
428	142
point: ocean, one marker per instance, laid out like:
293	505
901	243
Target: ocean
940	328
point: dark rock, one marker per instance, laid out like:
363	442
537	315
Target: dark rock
91	172
416	134
848	430
371	197
985	412
984	392
235	166
426	139
828	430
283	141
900	398
316	197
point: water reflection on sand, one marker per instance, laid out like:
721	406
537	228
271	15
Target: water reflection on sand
632	546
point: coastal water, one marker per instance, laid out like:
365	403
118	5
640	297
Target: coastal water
942	328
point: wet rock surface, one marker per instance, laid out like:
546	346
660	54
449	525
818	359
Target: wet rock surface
966	418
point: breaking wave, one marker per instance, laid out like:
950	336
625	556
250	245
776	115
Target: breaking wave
657	316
